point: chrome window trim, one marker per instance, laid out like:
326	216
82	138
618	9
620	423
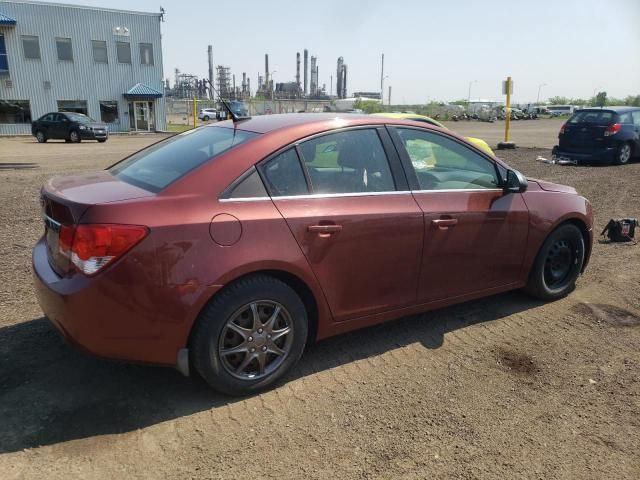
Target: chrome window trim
358	194
450	190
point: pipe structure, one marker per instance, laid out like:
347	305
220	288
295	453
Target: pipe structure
298	69
210	56
306	68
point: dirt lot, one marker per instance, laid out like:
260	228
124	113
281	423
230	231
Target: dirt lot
505	387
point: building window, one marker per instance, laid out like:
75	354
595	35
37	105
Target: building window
65	51
99	51
4	64
109	111
31	47
124	52
146	54
77	106
15	111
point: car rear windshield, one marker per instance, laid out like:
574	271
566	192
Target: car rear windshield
161	164
598	117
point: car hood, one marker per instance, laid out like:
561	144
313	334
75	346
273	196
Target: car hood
553	187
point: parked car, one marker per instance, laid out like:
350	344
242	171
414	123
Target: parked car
227	248
237	107
600	135
478	142
69	126
207	114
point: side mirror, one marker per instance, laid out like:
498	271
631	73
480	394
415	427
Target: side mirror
516	182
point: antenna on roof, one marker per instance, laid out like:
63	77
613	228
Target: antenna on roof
234	116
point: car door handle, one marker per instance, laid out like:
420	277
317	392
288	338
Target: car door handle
443	223
324	229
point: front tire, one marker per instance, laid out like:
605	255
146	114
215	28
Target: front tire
249	336
41	137
102	140
558	264
623	155
74	136
205	118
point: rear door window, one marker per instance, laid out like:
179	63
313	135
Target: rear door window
284	175
353	161
159	165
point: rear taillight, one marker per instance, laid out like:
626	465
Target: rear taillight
562	128
91	247
612	129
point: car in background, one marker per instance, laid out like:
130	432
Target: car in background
207	114
238	108
228	248
70	127
478	142
600	135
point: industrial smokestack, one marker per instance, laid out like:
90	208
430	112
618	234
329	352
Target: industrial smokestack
210	55
298	69
317	79
248	87
382	80
339	75
266	69
306	68
234	85
344	81
312	87
244	83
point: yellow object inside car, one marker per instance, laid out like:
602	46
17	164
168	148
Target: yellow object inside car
478	142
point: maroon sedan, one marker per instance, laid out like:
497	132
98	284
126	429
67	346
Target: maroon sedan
229	247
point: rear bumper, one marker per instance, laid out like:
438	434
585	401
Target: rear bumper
115	314
602	155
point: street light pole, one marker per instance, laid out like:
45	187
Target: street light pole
469	95
539	87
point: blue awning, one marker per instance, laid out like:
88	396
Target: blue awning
140	90
6	20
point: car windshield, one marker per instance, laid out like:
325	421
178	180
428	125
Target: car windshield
79	117
159	165
598	117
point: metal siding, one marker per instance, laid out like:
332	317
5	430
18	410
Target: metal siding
81	79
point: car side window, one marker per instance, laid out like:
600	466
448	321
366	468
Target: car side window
441	163
251	186
284	175
636	118
353	161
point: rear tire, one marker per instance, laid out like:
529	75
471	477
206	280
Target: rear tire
41	137
249	336
74	136
102	140
623	155
205	118
558	264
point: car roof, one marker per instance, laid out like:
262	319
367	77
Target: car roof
620	109
323	121
409	116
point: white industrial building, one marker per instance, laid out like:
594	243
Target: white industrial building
101	62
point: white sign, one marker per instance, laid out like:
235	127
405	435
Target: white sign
121	31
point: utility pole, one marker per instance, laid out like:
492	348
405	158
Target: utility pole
382	80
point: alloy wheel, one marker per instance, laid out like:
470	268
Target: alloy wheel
73	136
625	153
256	339
40	137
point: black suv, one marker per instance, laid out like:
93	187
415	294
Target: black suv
600	135
68	126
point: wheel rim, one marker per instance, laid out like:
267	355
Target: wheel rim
558	264
74	136
40	136
625	153
256	339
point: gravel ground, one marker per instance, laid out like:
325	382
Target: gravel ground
504	387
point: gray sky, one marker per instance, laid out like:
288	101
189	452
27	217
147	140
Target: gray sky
432	49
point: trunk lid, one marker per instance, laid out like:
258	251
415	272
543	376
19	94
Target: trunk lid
584	131
65	199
